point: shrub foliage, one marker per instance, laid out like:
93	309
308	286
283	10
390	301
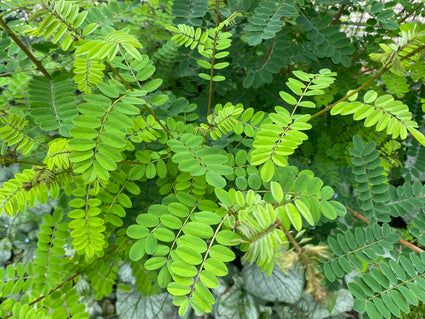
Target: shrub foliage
181	141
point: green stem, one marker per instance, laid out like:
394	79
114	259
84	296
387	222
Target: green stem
217	5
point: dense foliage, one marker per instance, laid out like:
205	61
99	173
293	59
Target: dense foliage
232	159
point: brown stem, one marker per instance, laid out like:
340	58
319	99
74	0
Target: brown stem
290	237
118	75
401	240
338	15
8	161
266	57
37	63
358	54
364	71
410	13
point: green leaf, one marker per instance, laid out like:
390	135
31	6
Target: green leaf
328	210
222	253
228	238
171	221
151	243
194	242
113	140
155	263
288	98
137	251
159	99
83	132
163	234
178	289
216	267
90	28
305	212
277	192
152	85
198	229
189	255
183	269
370	96
294	216
218	78
326	193
372	311
208	218
215	180
209	279
224	197
204	76
267	171
137	231
79	144
417	135
302	183
106	161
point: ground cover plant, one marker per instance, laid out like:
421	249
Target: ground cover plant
219	159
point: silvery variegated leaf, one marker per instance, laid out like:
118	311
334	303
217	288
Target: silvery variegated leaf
235	303
132	305
315	310
279	286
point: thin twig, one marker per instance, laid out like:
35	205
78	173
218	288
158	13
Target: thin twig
338	15
50	292
377	75
8	161
401	240
410	13
12	35
386	67
290	237
213	58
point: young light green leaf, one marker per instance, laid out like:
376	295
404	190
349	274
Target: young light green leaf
305	211
288	98
276	190
294	216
